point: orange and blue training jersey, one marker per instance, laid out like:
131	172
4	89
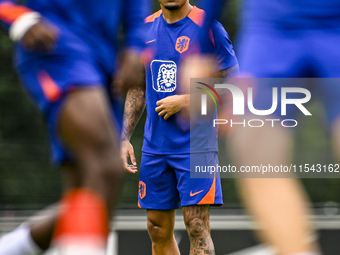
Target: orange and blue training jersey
171	43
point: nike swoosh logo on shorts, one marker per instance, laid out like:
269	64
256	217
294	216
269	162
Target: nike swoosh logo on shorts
194	194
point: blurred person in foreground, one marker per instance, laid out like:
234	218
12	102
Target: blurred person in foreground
287	39
282	39
65	56
165	183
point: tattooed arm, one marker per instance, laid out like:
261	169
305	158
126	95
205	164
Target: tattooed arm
133	110
134	107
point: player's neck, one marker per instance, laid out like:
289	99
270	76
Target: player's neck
172	16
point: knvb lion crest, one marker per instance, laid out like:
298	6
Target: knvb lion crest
182	44
164	74
166	80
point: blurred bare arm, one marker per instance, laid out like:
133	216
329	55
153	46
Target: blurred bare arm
130	72
40	37
229	72
28	27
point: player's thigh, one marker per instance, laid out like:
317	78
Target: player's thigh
205	187
335	130
85	123
157	184
49	80
328	90
267	91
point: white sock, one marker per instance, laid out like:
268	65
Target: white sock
70	245
19	242
307	253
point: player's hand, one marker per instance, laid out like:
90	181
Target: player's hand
130	72
40	37
127	152
171	105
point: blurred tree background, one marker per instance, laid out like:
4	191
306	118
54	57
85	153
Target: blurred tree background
29	181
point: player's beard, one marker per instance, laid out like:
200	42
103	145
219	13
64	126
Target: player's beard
172	7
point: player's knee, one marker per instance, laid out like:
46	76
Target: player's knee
103	144
109	171
196	226
102	173
159	234
103	156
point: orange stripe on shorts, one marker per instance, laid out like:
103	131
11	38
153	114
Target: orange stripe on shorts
50	88
209	198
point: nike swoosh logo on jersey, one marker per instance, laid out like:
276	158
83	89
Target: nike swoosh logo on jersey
150	41
194	194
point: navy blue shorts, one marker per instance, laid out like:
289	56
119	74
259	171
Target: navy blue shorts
165	182
49	78
274	53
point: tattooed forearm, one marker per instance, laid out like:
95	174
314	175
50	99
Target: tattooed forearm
197	221
229	72
134	107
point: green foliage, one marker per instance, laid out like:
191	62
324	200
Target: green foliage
27	178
